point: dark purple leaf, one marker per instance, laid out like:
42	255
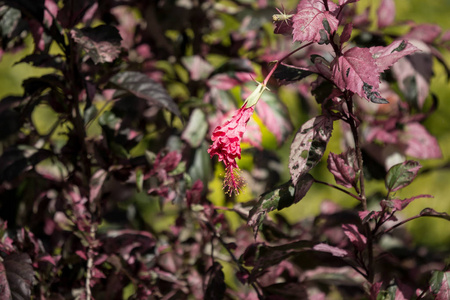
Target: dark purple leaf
344	167
16	277
34	85
143	87
358	240
309	146
10	102
401	175
43	60
386	13
101	43
335	251
128	243
346	33
283	27
29	8
288	74
309	20
5	292
216	285
261	257
286	290
14	162
9	123
303	185
429	212
278	198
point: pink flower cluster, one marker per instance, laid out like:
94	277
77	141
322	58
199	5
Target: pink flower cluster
227	146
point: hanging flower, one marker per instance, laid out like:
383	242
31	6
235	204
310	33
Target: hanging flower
227	146
227	141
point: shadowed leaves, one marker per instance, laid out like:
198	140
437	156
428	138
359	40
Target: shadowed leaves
101	43
143	87
16	277
309	145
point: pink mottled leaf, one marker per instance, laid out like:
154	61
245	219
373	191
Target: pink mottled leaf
399	204
198	67
356	70
401	175
101	43
414	75
357	239
419	142
387	56
344	167
310	18
309	146
274	115
335	251
386	13
426	33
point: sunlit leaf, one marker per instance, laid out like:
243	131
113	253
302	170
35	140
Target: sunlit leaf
401	175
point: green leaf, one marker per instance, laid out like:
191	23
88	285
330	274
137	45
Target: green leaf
401	175
440	285
142	86
196	129
139	180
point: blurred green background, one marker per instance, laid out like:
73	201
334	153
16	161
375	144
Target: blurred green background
430	231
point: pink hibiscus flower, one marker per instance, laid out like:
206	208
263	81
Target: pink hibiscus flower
227	146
